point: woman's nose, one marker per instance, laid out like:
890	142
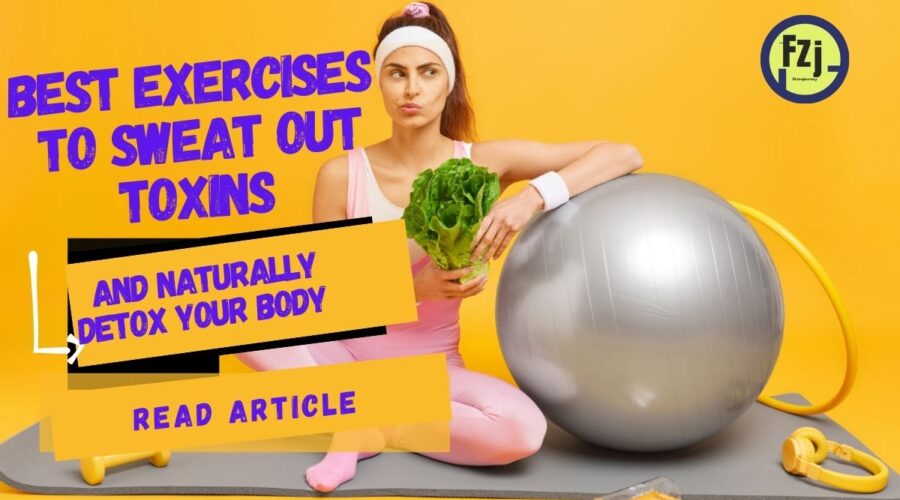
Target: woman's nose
412	86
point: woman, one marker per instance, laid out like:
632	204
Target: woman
422	82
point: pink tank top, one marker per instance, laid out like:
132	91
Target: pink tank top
437	329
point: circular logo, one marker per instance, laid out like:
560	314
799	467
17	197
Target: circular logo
805	59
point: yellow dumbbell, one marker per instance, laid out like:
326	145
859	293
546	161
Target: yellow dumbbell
93	469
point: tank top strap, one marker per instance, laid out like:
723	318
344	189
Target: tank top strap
462	149
357	195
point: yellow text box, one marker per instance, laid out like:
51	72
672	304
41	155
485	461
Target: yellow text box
242	292
411	393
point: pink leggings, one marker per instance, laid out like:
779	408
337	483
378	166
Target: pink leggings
493	422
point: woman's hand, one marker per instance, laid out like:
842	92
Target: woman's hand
503	221
434	283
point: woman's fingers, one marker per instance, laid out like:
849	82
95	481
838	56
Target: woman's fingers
479	288
506	240
486	239
485	224
454	274
469	288
458	289
498	239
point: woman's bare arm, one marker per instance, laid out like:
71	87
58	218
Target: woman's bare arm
330	194
582	165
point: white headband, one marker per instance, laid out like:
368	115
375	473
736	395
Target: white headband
415	36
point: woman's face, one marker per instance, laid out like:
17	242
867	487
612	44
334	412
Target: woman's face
414	85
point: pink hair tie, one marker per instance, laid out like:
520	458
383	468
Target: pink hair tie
416	9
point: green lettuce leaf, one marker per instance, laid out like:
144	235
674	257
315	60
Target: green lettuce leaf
445	211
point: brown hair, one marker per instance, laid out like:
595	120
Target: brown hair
457	119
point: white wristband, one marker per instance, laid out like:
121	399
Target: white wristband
552	188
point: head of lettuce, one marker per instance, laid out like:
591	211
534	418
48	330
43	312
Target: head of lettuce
445	210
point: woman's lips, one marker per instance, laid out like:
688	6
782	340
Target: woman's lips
410	109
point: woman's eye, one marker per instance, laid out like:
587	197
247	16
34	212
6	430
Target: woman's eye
432	71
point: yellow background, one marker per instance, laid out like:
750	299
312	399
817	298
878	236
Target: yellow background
680	80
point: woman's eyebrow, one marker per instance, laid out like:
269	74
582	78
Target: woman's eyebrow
419	67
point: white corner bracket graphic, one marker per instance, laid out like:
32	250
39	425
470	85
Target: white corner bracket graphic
32	264
76	348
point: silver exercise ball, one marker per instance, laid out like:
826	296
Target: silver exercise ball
644	315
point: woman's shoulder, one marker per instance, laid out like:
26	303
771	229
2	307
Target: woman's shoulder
333	177
491	154
336	168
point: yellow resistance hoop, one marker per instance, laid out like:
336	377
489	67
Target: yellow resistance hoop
836	302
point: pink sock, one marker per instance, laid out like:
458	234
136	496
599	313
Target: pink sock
338	467
335	469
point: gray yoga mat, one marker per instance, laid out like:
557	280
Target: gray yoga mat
742	462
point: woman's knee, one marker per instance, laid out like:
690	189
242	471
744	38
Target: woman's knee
522	432
532	428
517	426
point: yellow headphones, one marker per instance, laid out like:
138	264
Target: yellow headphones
807	447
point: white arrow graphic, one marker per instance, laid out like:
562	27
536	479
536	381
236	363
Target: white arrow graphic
32	264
